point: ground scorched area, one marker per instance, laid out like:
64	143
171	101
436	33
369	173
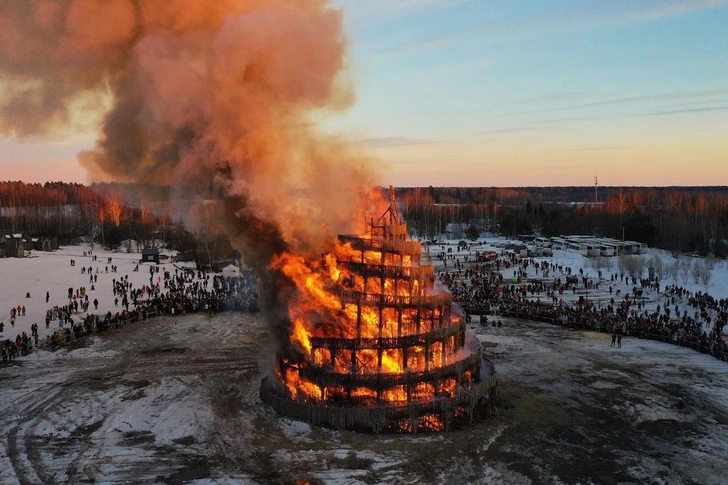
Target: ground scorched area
175	400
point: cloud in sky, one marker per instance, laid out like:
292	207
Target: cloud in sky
688	110
499	87
596	147
395	141
692	97
506	131
531	21
368	11
674	9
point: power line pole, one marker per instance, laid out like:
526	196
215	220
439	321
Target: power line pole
596	182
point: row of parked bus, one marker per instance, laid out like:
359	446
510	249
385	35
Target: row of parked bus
592	246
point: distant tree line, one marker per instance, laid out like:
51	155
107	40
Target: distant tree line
117	216
64	210
688	219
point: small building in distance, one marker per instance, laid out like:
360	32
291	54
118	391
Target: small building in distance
591	246
231	270
14	246
45	243
150	255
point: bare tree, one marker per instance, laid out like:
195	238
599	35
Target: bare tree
685	266
601	263
672	269
711	262
706	273
634	265
658	265
696	270
622	262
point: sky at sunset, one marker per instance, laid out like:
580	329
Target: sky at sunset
504	93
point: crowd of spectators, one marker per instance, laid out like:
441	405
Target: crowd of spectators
537	290
168	292
680	317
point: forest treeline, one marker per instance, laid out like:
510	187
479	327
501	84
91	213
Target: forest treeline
688	219
118	216
54	209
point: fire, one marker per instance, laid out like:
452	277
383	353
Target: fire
423	390
396	394
430	422
392	361
448	387
297	385
320	309
147	216
300	335
321	285
114	209
369	330
322	357
363	393
342	364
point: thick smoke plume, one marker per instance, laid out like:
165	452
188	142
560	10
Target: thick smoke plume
217	99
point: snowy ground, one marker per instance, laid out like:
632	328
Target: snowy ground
717	286
175	400
683	277
52	272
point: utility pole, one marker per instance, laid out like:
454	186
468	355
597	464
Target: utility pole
596	182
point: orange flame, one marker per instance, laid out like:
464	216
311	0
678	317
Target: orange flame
330	302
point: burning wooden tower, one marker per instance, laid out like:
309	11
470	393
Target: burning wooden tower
377	347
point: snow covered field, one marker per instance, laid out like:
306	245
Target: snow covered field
683	272
175	400
52	272
674	271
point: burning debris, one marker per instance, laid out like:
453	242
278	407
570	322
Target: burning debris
374	347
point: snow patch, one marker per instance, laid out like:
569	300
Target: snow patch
295	430
604	385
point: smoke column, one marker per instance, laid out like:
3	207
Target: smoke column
216	99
